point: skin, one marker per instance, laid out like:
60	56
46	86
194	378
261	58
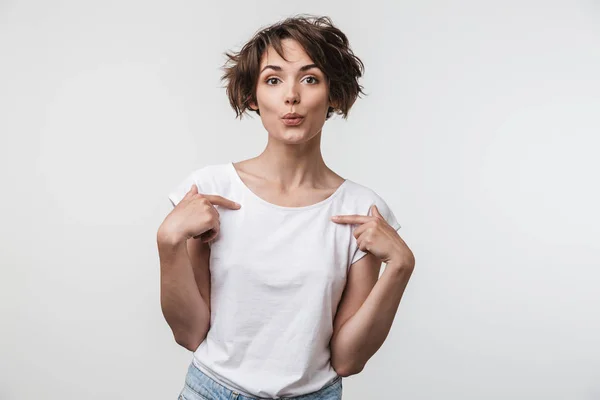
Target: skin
290	171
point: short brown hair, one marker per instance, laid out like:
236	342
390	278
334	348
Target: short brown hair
325	44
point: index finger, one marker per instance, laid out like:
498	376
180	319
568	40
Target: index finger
215	199
351	219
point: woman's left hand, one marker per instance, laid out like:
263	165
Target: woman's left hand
376	236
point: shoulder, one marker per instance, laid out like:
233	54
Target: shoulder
208	170
208	173
360	195
359	198
209	178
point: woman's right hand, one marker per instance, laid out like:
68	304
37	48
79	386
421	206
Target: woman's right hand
196	216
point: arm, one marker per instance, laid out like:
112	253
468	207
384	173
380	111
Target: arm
366	312
183	272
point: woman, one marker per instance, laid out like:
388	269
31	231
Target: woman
275	297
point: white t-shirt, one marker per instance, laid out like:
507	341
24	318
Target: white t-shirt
277	276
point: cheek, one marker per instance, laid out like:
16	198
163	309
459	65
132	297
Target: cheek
316	100
263	92
324	96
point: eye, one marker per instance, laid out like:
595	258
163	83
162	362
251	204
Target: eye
268	80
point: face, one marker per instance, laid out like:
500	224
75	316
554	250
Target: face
291	86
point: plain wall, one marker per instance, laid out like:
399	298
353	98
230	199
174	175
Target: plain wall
480	130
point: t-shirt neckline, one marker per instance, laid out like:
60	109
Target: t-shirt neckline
239	180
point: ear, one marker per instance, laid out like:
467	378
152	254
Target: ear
252	105
334	104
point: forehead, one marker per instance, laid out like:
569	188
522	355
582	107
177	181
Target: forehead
292	50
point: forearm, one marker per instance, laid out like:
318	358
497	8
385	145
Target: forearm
364	333
183	307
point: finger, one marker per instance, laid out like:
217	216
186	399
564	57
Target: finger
351	219
359	243
193	190
217	223
211	234
375	211
361	229
205	235
202	235
210	237
216	227
215	199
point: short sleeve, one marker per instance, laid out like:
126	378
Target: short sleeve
179	191
387	214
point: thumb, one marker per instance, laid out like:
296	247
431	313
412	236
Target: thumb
375	211
193	190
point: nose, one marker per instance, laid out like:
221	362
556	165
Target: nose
292	96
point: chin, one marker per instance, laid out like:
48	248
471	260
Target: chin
294	136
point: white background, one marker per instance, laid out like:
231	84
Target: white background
480	130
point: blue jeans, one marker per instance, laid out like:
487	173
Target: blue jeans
199	386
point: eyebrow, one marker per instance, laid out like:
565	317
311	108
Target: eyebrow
278	68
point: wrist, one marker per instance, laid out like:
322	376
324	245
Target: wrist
167	237
399	265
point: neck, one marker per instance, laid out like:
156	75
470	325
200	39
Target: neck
292	166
